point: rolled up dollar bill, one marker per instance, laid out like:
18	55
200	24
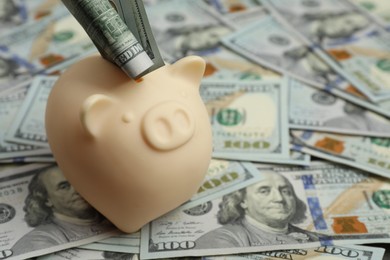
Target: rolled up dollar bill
110	34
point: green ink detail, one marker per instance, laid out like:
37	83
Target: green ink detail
369	6
229	117
249	76
384	142
63	36
382	198
384	64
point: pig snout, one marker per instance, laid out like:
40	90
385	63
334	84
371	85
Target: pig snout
168	125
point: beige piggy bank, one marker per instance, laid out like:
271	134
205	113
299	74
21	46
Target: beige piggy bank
133	149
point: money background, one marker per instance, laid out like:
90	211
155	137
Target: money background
248	45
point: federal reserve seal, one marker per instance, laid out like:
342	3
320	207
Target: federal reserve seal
382	198
7	213
199	210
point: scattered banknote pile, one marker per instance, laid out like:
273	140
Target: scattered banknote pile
298	94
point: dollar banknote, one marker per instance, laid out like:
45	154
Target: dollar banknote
28	126
46	157
227	65
367	153
349	42
268	43
14	70
41	213
290	208
14	13
112	37
377	9
242	19
318	110
182	28
82	254
47	42
323	252
121	243
134	16
248	119
233	6
223	177
239	12
10	105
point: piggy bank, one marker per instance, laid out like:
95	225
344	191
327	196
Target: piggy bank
133	149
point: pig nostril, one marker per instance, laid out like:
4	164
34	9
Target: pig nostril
164	130
168	125
182	120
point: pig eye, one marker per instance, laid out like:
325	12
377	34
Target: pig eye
127	118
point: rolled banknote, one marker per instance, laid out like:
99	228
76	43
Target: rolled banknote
134	16
110	34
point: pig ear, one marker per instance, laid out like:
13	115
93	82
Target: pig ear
191	68
93	111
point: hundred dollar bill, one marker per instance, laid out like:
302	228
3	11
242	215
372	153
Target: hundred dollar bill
371	154
82	254
47	42
28	126
233	6
269	44
248	119
14	13
184	28
379	10
312	109
109	33
223	177
327	252
134	16
45	157
295	158
239	12
9	107
288	209
121	243
349	42
227	65
42	213
13	70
